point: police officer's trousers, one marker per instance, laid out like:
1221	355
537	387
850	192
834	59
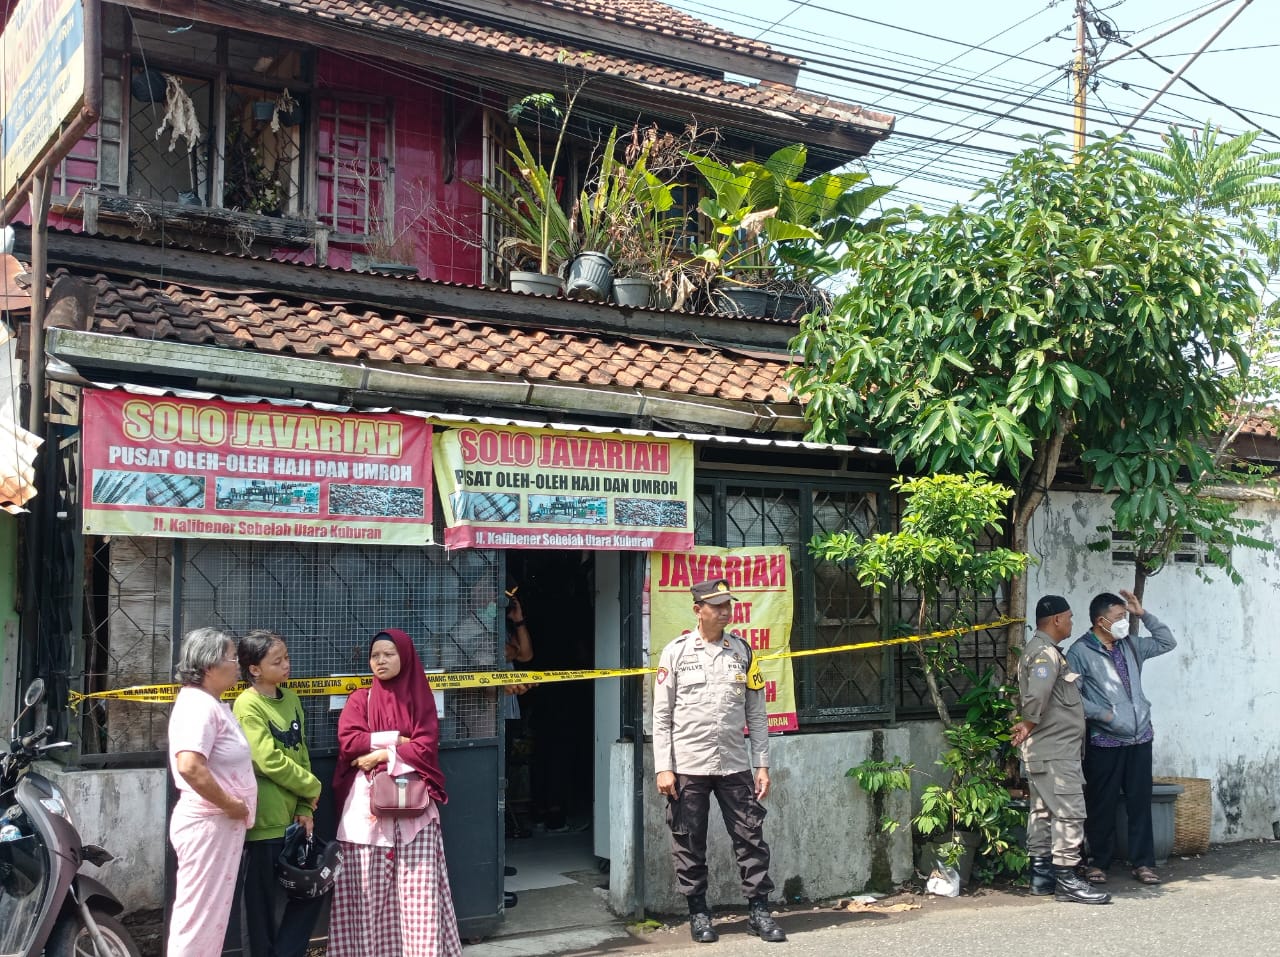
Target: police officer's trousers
743	818
1056	821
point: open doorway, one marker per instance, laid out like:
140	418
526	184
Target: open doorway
551	747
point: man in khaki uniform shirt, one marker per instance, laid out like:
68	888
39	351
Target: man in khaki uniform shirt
1051	737
701	703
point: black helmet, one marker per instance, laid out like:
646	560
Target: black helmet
307	867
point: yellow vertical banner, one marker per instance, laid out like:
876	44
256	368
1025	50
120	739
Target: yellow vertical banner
762	581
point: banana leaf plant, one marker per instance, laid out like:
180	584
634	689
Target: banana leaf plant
766	222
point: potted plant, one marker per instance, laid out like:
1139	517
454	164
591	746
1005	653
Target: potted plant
773	232
527	203
622	222
598	217
970	815
646	246
969	818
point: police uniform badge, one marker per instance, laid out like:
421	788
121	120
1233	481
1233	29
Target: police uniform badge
1040	671
662	675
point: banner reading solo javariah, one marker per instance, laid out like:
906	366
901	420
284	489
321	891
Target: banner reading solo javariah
505	487
205	468
761	579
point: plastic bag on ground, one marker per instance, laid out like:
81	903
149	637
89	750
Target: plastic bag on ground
944	882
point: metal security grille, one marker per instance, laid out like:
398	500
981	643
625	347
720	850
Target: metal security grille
831	607
330	600
128	616
846	612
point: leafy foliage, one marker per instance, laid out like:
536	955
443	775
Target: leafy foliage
975	797
528	205
1074	301
526	202
1209	174
878	777
944	519
1215	179
1073	289
765	220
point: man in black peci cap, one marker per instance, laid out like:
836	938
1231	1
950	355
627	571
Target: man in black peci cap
1051	737
701	702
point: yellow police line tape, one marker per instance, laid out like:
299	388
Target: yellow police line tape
458	680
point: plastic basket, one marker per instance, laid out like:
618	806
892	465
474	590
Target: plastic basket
1192	814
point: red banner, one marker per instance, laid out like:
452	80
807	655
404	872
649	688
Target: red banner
197	468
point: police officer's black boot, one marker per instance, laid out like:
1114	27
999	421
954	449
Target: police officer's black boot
1073	888
761	923
700	928
1043	881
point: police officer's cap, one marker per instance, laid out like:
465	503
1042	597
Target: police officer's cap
1051	605
713	591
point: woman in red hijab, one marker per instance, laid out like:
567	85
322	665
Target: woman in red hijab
392	896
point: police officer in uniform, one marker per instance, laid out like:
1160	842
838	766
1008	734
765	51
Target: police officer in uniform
1051	737
701	702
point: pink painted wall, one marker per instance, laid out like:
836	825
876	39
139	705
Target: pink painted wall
421	168
421	112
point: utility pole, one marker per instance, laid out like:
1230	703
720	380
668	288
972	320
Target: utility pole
1081	74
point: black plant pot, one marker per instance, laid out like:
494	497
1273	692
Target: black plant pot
787	305
733	300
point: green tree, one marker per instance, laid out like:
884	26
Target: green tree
1216	178
937	547
1073	302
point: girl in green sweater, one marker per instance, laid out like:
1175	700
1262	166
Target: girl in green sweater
271	716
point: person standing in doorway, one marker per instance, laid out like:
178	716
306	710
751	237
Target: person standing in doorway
701	703
1051	736
1117	758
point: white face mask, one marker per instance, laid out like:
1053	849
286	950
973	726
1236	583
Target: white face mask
1120	629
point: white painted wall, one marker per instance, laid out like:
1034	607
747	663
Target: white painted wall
123	811
820	828
1216	697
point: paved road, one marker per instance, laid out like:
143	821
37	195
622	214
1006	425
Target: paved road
1224	904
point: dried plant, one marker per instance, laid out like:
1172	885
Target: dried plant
179	115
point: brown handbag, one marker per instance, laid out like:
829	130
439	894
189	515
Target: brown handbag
399	795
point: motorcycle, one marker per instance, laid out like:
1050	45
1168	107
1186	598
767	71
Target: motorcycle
47	906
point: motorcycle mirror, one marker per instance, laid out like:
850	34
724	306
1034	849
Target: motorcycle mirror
35	693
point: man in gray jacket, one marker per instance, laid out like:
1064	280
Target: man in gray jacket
1117	758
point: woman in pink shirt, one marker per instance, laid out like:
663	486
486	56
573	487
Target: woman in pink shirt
213	771
392	897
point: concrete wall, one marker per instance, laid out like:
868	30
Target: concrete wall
123	811
1215	698
821	828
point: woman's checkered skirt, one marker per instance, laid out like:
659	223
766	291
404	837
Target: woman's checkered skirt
394	901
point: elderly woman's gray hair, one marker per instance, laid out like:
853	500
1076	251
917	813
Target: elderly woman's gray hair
202	648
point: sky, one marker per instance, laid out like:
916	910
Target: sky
967	78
